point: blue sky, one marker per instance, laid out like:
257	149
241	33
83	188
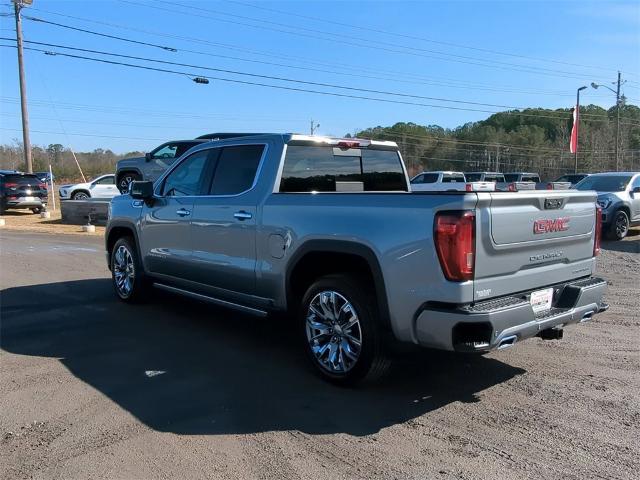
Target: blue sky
484	52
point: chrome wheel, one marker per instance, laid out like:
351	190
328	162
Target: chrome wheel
80	196
123	271
622	225
333	331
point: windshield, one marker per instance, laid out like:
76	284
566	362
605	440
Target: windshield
609	183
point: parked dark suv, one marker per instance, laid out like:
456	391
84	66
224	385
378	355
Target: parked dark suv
155	162
22	191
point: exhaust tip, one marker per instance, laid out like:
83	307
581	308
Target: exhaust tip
507	342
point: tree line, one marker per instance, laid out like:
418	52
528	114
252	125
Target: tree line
535	140
61	159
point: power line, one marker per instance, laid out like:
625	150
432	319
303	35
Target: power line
385	46
86	135
269	77
439	81
35	19
279	87
413	37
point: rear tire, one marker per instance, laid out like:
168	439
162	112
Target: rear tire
124	181
127	274
340	330
619	226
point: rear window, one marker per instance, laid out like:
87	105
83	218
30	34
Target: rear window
21	179
453	178
473	177
510	177
531	178
493	178
329	169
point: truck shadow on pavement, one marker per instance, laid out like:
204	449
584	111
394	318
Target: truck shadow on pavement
189	368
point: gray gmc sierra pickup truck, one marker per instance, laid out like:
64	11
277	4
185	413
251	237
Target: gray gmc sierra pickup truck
328	230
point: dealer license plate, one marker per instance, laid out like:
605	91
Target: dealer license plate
541	300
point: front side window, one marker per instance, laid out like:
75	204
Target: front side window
168	151
325	169
108	180
188	177
236	169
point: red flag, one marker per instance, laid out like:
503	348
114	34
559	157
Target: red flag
573	142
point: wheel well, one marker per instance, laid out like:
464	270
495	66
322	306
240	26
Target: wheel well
115	234
626	210
125	172
80	190
315	264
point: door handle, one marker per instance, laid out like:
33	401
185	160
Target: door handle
242	215
183	212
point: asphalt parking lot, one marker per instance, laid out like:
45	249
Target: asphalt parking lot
92	388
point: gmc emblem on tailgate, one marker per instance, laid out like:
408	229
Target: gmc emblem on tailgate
549	225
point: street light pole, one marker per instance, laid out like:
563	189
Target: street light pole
618	125
26	142
577	127
617	92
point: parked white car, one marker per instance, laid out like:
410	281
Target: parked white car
102	187
445	181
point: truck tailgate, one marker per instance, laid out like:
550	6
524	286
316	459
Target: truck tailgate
530	239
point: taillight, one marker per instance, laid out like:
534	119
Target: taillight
512	187
10	185
454	235
598	232
468	187
549	186
43	186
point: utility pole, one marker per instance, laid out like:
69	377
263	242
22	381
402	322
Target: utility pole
314	127
26	143
618	125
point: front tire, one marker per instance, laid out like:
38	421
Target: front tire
124	181
619	226
340	329
127	274
80	196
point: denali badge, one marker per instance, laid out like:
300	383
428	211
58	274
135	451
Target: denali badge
549	225
552	203
545	256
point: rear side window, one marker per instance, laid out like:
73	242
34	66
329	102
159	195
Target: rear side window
110	180
236	169
325	169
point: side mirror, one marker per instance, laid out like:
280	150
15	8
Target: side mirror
141	189
147	156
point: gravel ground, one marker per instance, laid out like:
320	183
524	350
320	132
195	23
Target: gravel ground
26	221
91	388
